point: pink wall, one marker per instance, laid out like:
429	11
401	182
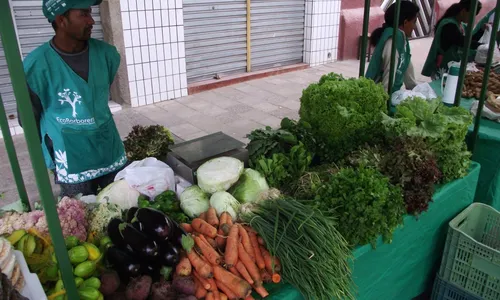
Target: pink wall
351	22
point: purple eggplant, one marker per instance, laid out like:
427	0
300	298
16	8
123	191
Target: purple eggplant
154	223
169	254
123	262
139	241
114	233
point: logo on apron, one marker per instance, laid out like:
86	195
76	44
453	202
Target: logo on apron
72	98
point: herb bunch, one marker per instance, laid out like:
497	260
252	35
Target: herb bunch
148	141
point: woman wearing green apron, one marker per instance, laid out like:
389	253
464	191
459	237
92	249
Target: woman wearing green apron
69	79
381	38
449	39
488	19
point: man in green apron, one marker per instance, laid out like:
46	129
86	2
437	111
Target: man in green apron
69	79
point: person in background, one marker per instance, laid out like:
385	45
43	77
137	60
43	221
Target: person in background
488	19
381	39
69	79
449	39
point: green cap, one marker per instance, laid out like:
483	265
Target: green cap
53	8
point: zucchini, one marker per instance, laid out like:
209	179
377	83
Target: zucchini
78	254
85	269
92	282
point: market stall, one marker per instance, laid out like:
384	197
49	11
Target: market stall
487	145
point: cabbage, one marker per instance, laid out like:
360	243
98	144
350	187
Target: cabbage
119	193
194	201
223	201
250	188
219	174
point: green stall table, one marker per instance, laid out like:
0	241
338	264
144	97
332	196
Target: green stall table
405	268
486	153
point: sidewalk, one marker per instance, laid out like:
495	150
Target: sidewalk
236	110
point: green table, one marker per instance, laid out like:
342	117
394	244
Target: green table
404	269
486	153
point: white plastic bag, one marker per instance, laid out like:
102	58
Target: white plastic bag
487	113
482	54
149	177
485	39
423	90
180	185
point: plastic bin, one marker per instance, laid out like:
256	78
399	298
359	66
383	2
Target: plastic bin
33	289
443	290
471	258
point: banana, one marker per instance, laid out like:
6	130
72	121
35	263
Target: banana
16	236
29	246
20	244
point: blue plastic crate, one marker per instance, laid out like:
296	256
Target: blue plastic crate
444	290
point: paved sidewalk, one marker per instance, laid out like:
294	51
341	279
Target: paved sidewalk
236	110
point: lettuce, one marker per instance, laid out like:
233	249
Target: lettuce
219	174
250	188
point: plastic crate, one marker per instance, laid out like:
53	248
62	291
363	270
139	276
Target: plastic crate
443	290
471	258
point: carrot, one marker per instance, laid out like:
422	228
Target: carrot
230	294
226	228
203	281
203	216
266	277
249	297
207	250
199	265
276	278
201	292
245	239
223	296
210	241
269	261
212	217
249	265
203	227
223	218
220	240
210	296
187	227
277	264
261	241
229	219
213	285
231	253
258	255
235	271
184	267
216	294
240	287
261	291
243	272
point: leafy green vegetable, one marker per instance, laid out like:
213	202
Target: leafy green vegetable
194	201
443	128
343	114
365	202
249	187
266	142
149	141
167	203
314	256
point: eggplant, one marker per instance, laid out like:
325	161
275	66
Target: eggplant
124	262
154	223
169	254
139	241
131	214
137	225
114	233
177	233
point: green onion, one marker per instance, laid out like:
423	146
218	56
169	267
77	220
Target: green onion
314	256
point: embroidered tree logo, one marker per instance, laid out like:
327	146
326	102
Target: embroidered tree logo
66	97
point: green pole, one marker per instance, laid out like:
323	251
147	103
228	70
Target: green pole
364	41
486	77
13	57
465	56
11	153
393	52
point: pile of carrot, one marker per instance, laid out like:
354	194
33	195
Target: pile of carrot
228	259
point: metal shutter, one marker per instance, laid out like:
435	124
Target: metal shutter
277	33
215	38
33	30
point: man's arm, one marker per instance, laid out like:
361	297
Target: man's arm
36	105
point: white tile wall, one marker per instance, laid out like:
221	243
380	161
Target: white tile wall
321	32
154	49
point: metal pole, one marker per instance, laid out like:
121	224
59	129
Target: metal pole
393	52
486	77
364	40
249	35
11	153
13	57
465	57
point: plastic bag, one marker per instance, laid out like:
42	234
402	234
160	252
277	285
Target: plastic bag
487	113
485	39
180	185
482	54
149	177
423	90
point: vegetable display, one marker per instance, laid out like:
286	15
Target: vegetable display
167	203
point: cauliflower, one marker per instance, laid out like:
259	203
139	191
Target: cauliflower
99	217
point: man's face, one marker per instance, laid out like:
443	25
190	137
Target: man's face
78	24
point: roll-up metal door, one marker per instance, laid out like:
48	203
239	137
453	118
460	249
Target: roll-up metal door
277	33
5	86
215	38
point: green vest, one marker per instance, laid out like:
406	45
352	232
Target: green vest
375	71
76	115
454	53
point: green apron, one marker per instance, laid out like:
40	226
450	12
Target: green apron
437	60
375	71
76	115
